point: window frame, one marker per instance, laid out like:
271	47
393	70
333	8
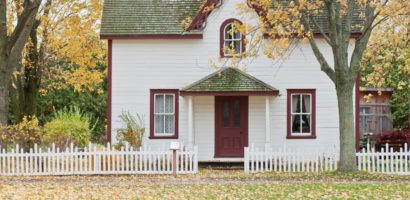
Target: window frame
290	94
222	38
153	94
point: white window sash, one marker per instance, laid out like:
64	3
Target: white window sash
164	113
233	39
301	113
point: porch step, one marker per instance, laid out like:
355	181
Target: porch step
221	165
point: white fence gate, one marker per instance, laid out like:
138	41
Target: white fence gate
386	161
93	160
287	160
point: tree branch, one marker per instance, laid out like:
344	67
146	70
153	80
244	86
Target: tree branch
361	43
324	66
348	22
3	24
25	21
325	36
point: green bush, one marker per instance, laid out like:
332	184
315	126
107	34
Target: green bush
26	134
132	131
68	126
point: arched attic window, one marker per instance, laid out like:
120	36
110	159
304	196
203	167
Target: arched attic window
232	40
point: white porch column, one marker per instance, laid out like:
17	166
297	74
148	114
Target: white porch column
267	122
190	121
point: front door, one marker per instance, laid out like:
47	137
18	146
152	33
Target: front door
231	125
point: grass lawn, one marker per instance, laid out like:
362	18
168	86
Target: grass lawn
209	184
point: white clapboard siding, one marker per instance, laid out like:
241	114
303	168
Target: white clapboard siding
288	160
386	161
93	160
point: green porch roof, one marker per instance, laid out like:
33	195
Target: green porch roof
229	80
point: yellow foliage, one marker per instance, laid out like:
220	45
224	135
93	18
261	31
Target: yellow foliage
71	33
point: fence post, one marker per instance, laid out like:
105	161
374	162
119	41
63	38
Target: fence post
246	160
96	160
196	159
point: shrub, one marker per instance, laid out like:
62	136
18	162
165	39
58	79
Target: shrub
26	134
132	131
68	126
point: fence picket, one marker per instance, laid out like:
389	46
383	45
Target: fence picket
106	160
385	161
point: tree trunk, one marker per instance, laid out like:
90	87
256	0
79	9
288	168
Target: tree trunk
346	129
4	107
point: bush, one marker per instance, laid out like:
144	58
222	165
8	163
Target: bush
26	134
132	132
68	126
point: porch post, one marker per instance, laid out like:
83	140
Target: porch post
267	122
190	122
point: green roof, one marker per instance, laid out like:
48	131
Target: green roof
229	80
129	17
322	20
159	17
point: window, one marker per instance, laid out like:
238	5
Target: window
164	114
301	113
232	40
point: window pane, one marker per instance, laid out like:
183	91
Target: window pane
169	124
226	47
226	113
159	103
296	103
306	104
159	124
169	103
295	123
306	123
237	47
237	33
228	31
237	113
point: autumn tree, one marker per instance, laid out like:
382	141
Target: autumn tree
386	63
14	31
63	45
338	23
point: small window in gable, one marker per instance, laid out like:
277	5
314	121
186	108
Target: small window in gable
301	113
232	40
164	114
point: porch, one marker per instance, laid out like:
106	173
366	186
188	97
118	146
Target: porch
226	111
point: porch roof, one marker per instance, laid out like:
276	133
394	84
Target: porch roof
229	81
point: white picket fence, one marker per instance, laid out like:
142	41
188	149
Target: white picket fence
386	161
288	160
93	160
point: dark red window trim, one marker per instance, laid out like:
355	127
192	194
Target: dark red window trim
289	117
152	98
222	36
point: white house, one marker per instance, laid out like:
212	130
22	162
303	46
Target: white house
160	70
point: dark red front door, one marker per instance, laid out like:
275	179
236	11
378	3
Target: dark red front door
231	126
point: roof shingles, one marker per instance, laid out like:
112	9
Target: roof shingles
229	80
128	17
162	17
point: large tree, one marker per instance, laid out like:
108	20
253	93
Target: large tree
14	32
63	44
386	63
340	24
